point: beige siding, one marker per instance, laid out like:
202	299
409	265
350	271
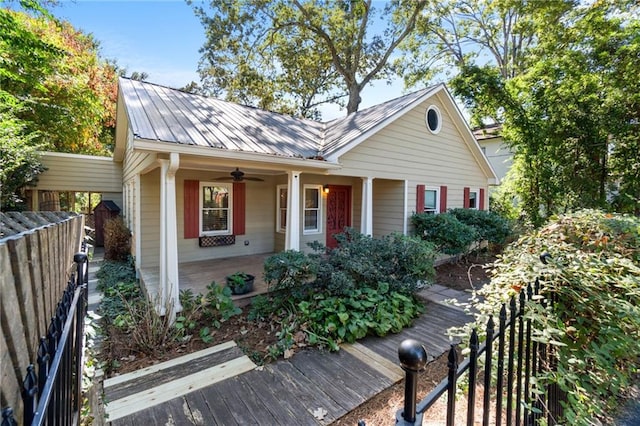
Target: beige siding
388	207
260	221
79	173
407	150
150	219
137	162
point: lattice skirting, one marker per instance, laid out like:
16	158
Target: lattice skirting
217	240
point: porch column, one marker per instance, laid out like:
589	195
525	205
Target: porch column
366	219
169	285
405	215
292	235
137	208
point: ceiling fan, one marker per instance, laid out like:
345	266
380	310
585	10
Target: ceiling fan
238	176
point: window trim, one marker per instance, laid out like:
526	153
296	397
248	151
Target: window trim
229	187
437	207
279	208
318	228
438	115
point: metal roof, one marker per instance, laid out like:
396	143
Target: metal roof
169	115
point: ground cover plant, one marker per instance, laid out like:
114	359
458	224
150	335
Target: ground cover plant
364	286
593	275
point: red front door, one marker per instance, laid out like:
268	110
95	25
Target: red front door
338	212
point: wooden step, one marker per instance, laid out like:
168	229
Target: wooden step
138	390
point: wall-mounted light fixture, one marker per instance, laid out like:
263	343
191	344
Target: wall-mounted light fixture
325	189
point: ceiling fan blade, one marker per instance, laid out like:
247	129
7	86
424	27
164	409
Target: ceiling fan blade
223	178
255	179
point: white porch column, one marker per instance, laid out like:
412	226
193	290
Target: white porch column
173	284
292	235
169	285
366	218
405	215
137	208
162	284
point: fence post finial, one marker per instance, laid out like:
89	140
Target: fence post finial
413	358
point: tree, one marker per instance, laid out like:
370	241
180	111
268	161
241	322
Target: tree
55	94
566	101
72	106
293	55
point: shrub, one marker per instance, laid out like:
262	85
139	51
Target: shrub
487	225
117	240
359	261
448	234
594	278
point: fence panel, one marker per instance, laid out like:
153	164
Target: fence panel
35	266
516	403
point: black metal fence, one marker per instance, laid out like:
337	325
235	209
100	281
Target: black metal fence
52	395
511	399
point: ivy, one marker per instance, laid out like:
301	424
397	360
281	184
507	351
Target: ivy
594	278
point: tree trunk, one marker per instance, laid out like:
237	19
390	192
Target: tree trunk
354	98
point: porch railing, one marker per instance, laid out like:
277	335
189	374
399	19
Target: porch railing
53	394
519	358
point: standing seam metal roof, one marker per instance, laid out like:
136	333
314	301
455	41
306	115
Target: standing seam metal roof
169	115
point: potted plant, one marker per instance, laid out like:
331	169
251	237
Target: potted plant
240	282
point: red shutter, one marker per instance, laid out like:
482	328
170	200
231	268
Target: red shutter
239	207
465	197
443	199
420	199
481	204
191	207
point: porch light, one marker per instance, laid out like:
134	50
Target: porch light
325	189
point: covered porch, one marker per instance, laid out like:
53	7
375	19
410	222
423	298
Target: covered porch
197	275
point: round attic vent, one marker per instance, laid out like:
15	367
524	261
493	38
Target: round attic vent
432	117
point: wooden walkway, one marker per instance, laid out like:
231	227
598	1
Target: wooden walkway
311	388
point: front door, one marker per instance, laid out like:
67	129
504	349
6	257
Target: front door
338	212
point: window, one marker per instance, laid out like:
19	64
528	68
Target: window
215	208
281	202
431	200
473	200
432	117
312	208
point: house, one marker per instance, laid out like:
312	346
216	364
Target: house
204	179
495	149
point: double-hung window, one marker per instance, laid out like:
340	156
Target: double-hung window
431	200
281	219
312	209
473	200
215	208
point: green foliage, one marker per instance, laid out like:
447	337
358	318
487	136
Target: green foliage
288	269
594	278
445	231
364	286
294	56
117	239
20	160
326	320
358	261
114	272
488	225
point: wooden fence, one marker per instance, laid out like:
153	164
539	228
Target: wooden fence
36	261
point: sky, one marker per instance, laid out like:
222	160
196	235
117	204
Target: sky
163	39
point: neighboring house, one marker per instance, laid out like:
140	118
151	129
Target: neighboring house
204	179
498	153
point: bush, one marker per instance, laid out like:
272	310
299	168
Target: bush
117	240
488	225
445	231
594	278
358	261
364	286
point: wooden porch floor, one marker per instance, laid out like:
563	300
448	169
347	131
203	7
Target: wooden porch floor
197	275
